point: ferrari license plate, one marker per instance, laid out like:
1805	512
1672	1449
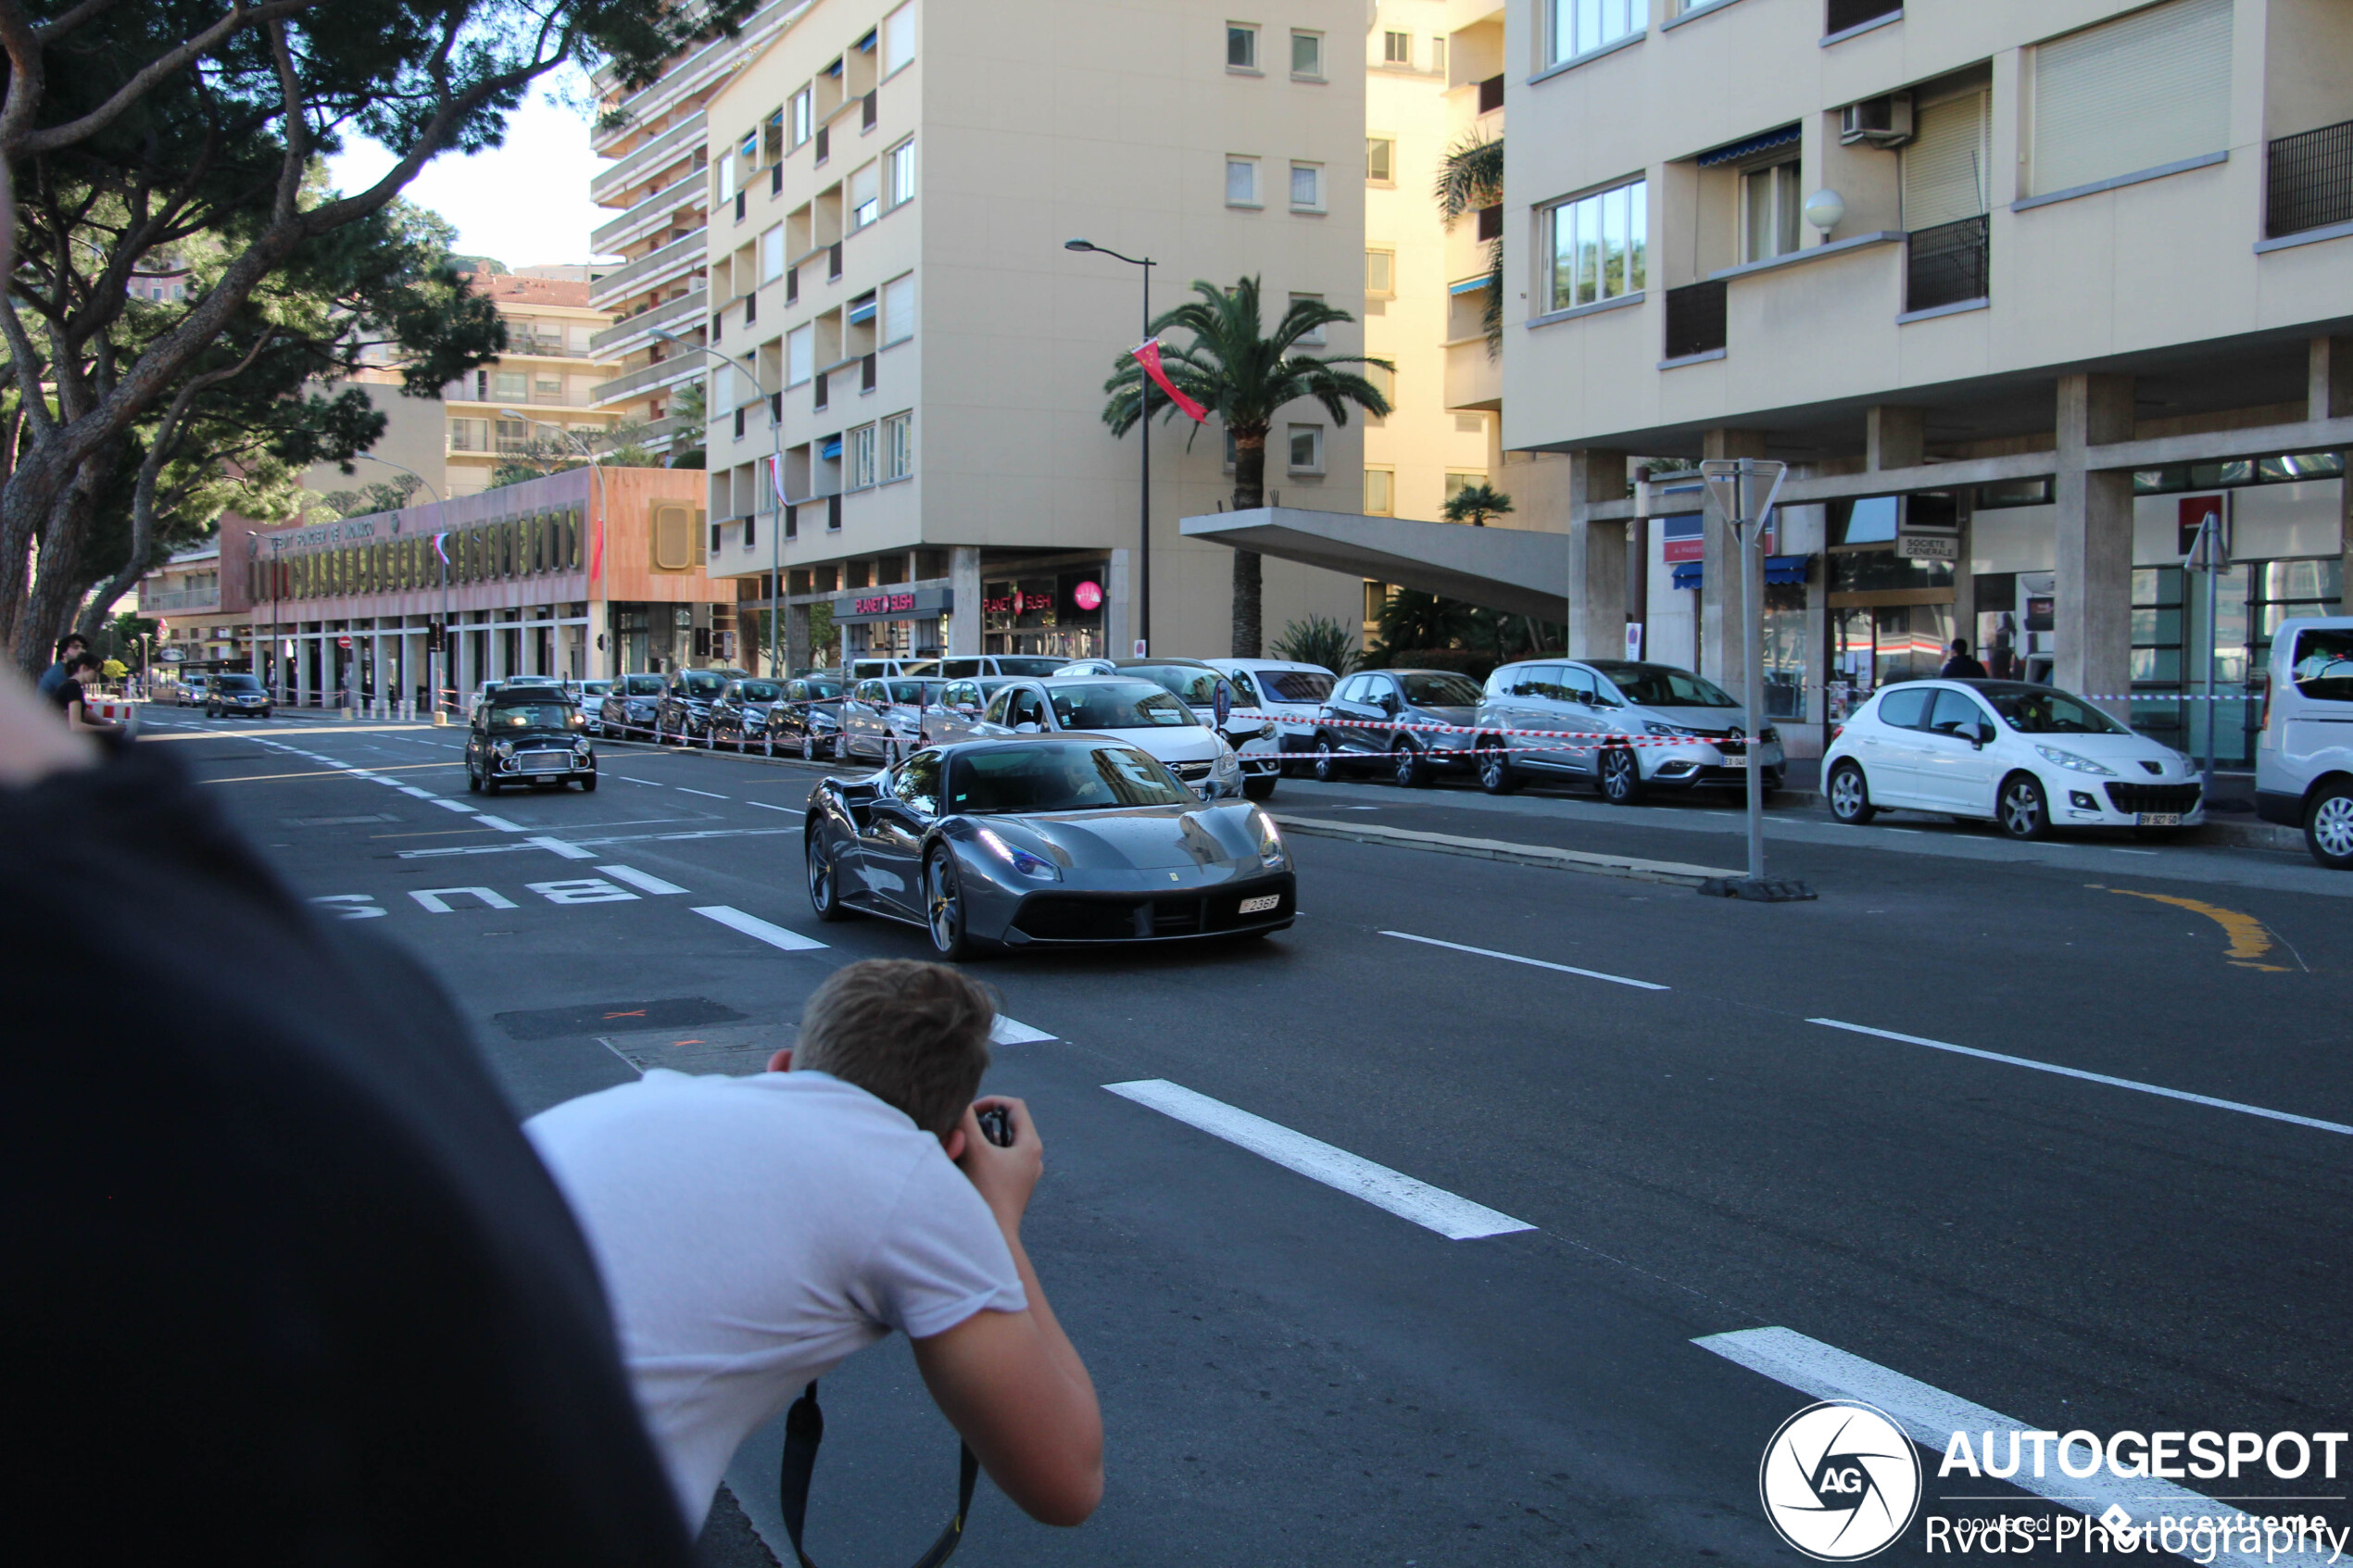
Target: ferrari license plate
1265	904
2158	820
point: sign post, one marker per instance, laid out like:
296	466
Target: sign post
1741	490
2210	553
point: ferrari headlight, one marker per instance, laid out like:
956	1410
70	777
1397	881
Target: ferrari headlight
1022	860
2073	763
1270	844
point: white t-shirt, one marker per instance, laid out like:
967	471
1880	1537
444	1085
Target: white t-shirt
752	1233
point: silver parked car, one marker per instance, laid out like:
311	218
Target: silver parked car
1680	732
882	720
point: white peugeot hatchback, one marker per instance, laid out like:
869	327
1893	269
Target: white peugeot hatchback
2028	758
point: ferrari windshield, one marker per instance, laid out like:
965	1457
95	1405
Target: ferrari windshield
1663	685
2041	711
1117	705
1060	778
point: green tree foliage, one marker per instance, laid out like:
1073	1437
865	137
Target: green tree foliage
621	445
1318	640
1411	619
1474	504
689	424
1470	178
1245	375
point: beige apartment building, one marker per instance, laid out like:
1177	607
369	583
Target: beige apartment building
542	389
2019	290
904	328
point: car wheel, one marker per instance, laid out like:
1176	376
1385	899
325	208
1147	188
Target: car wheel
1496	774
589	784
890	754
944	906
808	747
2328	827
767	745
473	779
1258	786
824	878
1412	770
1851	795
1326	764
1621	776
489	785
2022	812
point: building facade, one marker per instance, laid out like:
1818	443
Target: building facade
918	364
2020	291
541	390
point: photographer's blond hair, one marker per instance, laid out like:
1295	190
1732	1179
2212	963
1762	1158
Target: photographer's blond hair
915	1035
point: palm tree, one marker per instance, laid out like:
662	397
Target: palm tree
1475	504
1244	375
1470	178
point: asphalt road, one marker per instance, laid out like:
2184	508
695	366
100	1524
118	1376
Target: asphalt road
1653	1082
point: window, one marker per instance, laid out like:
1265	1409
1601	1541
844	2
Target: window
899	174
510	383
1397	48
1381	160
858	459
2146	88
1437	57
800	344
897	39
1457	482
1242	181
798	117
1307	448
1384	381
1307	187
899	309
1241	46
1315	338
1380	492
865	196
1769	202
726	178
772	255
1380	274
1307	54
1947	166
1599	246
1581	26
899	447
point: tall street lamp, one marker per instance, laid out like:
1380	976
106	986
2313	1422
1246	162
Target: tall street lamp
596	474
1144	445
776	485
434	655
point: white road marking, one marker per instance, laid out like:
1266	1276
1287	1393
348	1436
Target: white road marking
644	880
2159	1089
486	820
411	790
1532	963
451	805
2119	849
436	899
1013	1032
684	790
765	806
585	890
753	926
626	779
1457	1219
558	846
1930	1416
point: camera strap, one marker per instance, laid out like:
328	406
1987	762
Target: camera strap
805	1429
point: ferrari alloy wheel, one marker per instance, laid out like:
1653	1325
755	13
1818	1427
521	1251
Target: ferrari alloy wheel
1496	774
1621	777
2022	812
944	906
824	878
1851	795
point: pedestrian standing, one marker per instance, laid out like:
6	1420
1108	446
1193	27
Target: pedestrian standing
57	675
1961	666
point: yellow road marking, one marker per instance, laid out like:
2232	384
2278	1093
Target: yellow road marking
2249	939
331	772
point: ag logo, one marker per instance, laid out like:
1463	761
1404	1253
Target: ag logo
1840	1481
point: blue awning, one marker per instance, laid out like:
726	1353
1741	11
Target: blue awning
862	308
831	448
1686	574
1471	285
1733	152
1778	570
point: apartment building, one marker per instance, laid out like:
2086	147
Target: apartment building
908	428
542	389
656	183
2022	291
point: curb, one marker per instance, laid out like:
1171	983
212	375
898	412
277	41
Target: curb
1675	873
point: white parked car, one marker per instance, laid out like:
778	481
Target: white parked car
2027	757
1290	694
1139	712
1197	684
2304	752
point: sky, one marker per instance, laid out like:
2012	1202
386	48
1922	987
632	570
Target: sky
525	203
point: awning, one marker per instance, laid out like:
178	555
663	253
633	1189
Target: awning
832	447
1733	152
1471	285
862	308
1778	570
1686	574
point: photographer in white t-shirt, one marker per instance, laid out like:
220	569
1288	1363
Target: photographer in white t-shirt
753	1232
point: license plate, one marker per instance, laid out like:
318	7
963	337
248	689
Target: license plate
2158	819
1263	905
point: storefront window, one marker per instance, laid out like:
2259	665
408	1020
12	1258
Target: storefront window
1060	616
1786	675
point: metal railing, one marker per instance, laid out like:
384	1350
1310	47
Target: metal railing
1840	15
2309	180
181	598
619	283
685	306
1946	264
632	165
661	372
1696	318
686	190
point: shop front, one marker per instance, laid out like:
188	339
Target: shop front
1058	614
902	623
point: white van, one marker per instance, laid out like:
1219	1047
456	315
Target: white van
2304	752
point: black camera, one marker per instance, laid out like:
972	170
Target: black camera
997	1126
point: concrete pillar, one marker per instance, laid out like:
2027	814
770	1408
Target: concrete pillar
2331	398
1721	653
797	638
1894	437
964	586
1119	607
2094	615
1596	556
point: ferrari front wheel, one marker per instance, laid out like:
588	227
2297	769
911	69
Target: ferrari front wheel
944	910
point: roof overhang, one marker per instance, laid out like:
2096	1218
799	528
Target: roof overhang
1518	571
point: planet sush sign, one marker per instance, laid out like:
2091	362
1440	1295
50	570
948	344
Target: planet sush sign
900	604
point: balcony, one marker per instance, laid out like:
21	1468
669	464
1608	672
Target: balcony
679	140
698	69
1946	264
655	210
679	255
645	378
1474	377
181	600
1696	318
1491	94
685	308
2309	182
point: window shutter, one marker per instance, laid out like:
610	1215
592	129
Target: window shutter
2148	89
672	533
1948	163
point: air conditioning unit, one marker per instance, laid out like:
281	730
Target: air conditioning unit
1884	122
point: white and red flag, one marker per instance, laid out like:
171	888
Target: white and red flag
1147	354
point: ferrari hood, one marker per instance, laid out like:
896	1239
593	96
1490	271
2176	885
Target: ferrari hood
1140	837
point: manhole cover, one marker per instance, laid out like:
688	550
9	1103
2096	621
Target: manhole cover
737	1050
614	1018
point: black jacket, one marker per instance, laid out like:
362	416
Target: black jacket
1961	666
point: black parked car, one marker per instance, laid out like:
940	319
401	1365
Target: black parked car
529	735
739	714
633	704
235	695
808	719
685	706
1369	721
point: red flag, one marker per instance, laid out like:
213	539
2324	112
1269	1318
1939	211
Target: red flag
1147	354
597	550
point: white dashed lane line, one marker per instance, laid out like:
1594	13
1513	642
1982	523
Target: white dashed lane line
759	930
644	881
706	794
1532	963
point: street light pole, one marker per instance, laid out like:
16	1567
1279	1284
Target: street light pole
1743	491
1144	448
775	486
434	655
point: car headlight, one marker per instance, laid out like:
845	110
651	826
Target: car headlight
504	748
1029	865
2068	759
1270	844
1656	728
580	747
1267	730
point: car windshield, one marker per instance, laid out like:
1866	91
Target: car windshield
1019	665
1117	705
532	715
596	688
1297	685
1442	691
913	692
641	685
820	690
1182	681
1060	778
759	691
703	686
1663	685
2044	711
238	683
2324	664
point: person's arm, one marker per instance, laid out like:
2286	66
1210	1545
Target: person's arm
1011	1382
77	717
31	746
